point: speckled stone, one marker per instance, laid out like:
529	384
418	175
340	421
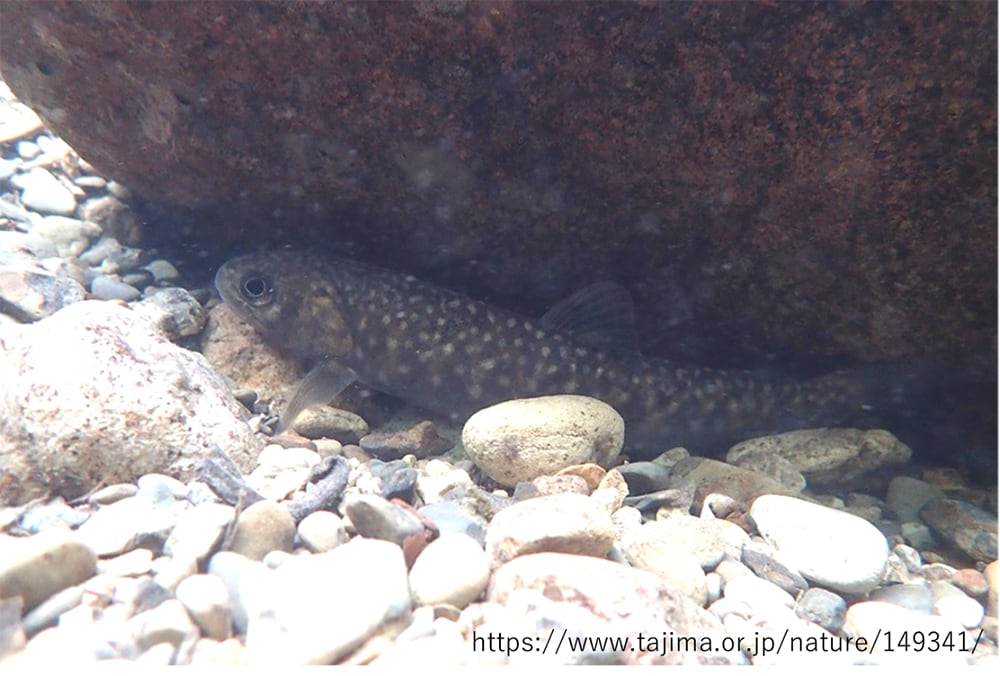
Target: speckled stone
822	607
968	527
567	522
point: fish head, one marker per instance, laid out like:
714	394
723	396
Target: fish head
288	300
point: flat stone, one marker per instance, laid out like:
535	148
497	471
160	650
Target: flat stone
325	421
521	439
829	455
774	571
567	522
30	292
971	529
421	441
452	569
834	549
762	596
375	517
645	477
707	476
871	619
448	517
127	524
108	288
41	191
36	567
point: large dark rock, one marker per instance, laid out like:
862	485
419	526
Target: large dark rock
823	174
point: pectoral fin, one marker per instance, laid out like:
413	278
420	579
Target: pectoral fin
324	382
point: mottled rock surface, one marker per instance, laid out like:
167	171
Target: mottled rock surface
733	162
162	407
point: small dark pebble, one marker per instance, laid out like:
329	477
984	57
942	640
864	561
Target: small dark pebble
356	452
246	396
401	485
328	479
223	476
774	571
645	477
421	440
672	498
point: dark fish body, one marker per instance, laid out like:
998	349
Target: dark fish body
445	352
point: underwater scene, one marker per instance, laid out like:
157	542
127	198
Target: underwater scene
498	332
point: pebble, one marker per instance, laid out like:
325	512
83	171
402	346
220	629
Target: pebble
953	604
162	270
774	571
438	478
127	524
779	468
521	439
645	548
706	476
829	455
168	622
915	597
56	514
39	566
451	570
91	182
333	423
31	293
113	493
70	236
833	549
567	522
130	564
625	600
174	311
448	517
376	517
41	191
321	531
707	540
107	288
822	607
321	607
27	149
971	529
762	596
421	441
116	219
263	527
906	496
871	619
199	531
971	581
990	572
917	535
206	599
645	477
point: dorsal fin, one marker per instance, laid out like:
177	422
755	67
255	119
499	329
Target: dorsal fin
600	315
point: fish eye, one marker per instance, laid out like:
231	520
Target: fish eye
256	289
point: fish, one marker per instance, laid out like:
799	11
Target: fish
451	354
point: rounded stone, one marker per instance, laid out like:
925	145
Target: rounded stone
832	548
263	527
376	517
321	531
37	567
453	569
912	596
822	607
971	529
521	439
906	495
952	603
645	548
41	191
207	601
327	422
568	522
106	288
